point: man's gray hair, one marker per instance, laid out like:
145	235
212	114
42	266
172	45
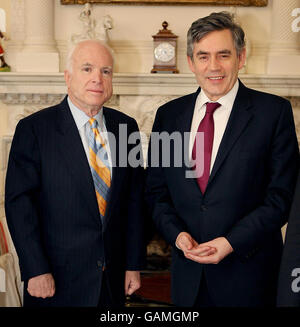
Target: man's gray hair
216	21
69	60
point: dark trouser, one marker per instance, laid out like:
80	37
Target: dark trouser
105	300
203	299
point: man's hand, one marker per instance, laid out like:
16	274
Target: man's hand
187	244
41	286
222	249
132	281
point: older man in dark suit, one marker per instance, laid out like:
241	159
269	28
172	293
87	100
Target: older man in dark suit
225	223
74	213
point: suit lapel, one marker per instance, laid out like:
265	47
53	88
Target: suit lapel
239	118
184	118
184	122
72	150
112	127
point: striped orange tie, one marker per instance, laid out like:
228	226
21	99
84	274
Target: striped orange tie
99	164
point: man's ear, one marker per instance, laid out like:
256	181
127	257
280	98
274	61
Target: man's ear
67	76
191	64
242	58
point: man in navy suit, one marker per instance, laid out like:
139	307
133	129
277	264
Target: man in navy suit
288	294
224	224
78	233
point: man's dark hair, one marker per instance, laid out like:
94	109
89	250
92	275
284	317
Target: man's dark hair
216	21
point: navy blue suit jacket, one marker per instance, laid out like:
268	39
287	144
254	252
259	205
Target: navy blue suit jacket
288	294
52	210
247	199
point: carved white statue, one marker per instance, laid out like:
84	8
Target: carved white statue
104	24
3	65
87	21
92	28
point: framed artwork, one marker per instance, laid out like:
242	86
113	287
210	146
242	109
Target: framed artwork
256	3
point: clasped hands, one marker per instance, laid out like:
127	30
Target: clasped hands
211	252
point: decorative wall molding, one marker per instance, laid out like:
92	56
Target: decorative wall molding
42	99
31	98
6	143
5	148
140	84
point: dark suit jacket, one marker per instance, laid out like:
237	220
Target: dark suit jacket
289	275
247	199
52	211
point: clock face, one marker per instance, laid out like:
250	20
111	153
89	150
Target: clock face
164	52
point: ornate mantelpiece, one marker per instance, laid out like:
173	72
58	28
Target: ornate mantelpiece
138	95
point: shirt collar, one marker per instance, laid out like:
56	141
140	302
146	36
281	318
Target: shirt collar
226	100
80	117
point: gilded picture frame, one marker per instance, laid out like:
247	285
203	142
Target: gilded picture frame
255	3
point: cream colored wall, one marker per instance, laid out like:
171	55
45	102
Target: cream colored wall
135	24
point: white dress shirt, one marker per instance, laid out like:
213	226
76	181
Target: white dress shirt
221	116
81	120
